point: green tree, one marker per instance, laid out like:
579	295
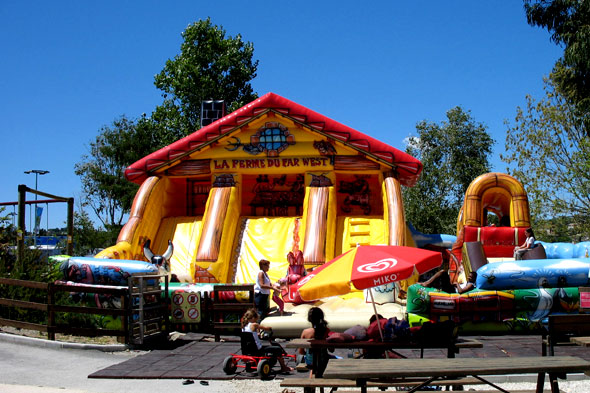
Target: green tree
453	153
88	240
104	186
7	240
568	21
549	150
209	66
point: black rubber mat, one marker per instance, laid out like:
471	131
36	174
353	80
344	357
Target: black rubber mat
200	357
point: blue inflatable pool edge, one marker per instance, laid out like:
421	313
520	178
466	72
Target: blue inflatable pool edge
549	273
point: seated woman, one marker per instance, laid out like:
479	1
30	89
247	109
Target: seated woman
250	324
527	245
318	331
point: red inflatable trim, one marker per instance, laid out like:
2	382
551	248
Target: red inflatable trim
407	167
497	241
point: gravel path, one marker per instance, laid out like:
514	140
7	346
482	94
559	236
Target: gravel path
255	386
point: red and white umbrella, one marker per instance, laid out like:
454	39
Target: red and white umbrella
365	267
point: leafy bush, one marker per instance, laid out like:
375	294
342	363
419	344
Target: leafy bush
36	267
31	268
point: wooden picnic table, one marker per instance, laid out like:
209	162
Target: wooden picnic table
452	346
566	329
378	347
363	370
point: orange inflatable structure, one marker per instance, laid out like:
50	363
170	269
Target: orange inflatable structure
492	193
267	179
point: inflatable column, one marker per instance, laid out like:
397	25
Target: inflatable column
210	242
219	225
395	217
395	211
147	202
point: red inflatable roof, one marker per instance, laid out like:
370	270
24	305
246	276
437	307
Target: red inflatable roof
407	167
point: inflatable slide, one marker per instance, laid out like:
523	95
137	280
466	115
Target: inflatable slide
511	296
267	179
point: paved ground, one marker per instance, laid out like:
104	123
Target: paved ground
199	357
38	366
194	364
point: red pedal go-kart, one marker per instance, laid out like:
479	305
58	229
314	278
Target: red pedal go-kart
253	359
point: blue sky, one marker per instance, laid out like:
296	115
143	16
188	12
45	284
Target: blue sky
70	67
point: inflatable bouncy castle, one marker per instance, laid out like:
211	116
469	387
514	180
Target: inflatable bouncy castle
271	178
492	193
510	295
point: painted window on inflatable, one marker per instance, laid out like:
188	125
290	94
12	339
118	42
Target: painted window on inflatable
273	138
198	194
273	195
359	195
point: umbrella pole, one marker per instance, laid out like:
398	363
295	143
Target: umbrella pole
377	319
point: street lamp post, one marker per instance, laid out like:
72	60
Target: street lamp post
37	172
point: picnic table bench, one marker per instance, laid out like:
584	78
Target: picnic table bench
434	370
309	384
452	347
562	329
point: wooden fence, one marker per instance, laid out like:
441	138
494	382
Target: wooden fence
144	309
51	308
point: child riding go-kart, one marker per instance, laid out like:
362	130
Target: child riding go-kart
255	356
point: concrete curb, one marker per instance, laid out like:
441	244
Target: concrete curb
42	343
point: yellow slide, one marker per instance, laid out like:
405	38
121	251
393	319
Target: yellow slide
184	232
265	238
361	230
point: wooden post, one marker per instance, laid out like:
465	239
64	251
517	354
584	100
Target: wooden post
70	245
126	305
166	315
140	306
21	229
50	312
